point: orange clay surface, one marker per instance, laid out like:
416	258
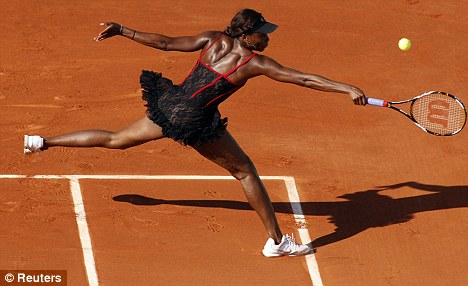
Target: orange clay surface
385	203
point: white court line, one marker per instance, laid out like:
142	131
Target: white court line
303	230
137	177
84	231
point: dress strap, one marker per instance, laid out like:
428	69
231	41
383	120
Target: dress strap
243	63
212	43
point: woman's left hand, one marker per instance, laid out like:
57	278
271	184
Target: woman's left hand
112	29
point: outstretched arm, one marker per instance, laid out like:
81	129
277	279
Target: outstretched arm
274	70
158	41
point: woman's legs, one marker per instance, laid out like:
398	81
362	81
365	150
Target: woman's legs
139	132
228	154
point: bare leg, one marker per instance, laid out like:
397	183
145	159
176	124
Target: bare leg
139	132
229	155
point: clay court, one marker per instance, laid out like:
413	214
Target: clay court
383	202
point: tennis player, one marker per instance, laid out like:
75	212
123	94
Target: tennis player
188	112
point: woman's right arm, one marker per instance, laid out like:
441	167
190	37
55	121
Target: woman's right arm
269	67
158	41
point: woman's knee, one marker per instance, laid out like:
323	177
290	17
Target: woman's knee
117	141
243	169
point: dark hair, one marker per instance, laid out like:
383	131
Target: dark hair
243	21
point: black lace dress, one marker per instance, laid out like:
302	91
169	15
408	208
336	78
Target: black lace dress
188	112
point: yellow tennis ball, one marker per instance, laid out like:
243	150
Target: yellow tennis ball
404	44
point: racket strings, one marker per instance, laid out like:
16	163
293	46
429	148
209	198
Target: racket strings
439	113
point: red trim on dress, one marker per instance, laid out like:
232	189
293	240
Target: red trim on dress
213	70
199	59
219	96
212	43
198	62
225	76
206	86
243	63
222	76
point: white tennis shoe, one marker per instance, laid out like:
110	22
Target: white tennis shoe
288	246
33	144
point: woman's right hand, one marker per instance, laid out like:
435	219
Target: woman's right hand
358	96
112	29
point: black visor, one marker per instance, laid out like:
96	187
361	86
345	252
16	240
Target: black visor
262	27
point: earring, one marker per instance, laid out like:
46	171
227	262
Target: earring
250	44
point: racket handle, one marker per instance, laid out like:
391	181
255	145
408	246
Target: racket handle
377	102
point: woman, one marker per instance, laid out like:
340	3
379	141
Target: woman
188	112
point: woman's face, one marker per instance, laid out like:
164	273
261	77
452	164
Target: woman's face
260	41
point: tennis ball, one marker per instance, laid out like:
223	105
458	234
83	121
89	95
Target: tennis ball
404	44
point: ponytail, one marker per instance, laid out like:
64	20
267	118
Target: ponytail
242	21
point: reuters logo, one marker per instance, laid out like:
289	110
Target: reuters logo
33	277
9	278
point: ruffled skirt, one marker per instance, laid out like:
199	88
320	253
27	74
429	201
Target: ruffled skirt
171	109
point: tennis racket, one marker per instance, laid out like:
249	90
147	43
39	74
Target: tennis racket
436	112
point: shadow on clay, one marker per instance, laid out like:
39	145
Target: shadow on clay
361	210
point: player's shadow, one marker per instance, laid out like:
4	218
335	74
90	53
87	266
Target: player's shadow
360	211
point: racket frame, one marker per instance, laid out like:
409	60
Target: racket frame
390	104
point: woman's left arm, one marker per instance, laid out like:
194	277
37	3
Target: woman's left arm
269	67
157	41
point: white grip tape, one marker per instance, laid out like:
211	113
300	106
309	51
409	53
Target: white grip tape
376	102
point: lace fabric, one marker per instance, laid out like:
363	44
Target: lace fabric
168	106
188	112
